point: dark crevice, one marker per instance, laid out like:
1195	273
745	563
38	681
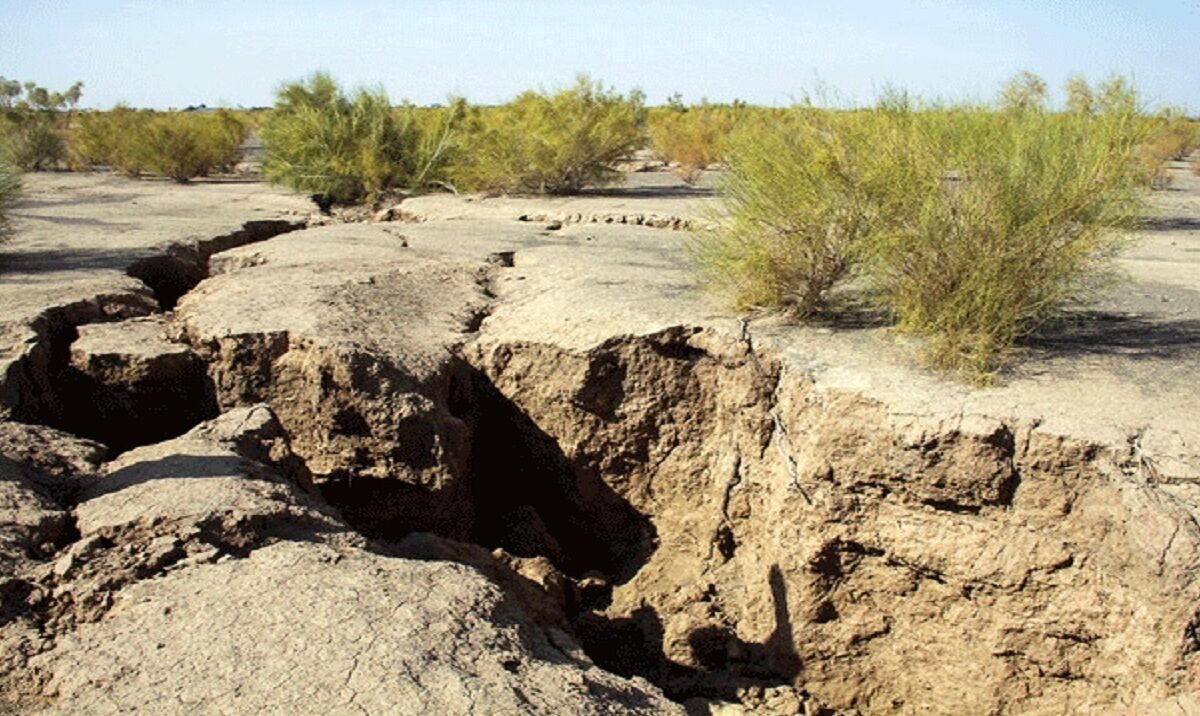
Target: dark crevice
534	501
173	275
169	278
120	415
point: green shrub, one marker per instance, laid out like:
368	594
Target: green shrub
179	145
343	150
799	197
37	141
995	223
435	142
113	139
33	120
550	143
1024	92
691	138
10	187
1080	97
184	146
970	227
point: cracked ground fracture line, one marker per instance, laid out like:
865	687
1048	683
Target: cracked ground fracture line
783	443
735	479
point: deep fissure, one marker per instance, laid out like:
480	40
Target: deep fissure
119	413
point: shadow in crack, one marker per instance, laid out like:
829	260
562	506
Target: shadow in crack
532	500
1099	333
723	663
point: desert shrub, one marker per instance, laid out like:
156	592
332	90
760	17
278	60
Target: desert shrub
436	144
970	227
341	149
1024	92
10	186
37	142
550	143
112	139
1171	137
799	196
1080	97
179	145
692	138
184	146
33	120
996	223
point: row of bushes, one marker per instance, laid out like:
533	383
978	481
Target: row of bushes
181	146
969	226
350	148
42	130
353	148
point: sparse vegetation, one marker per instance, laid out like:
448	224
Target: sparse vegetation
10	186
178	145
348	150
550	143
692	138
799	201
33	119
971	227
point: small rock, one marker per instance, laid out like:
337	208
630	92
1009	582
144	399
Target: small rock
64	565
554	226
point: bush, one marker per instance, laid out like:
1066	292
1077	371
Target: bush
340	149
183	146
435	142
33	120
1025	92
10	187
550	143
37	142
996	222
692	138
799	197
111	139
969	227
1080	97
1171	137
179	145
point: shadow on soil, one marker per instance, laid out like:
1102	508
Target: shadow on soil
1170	223
1100	333
651	192
53	260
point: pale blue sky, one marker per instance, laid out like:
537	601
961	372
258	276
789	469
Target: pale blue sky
180	52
